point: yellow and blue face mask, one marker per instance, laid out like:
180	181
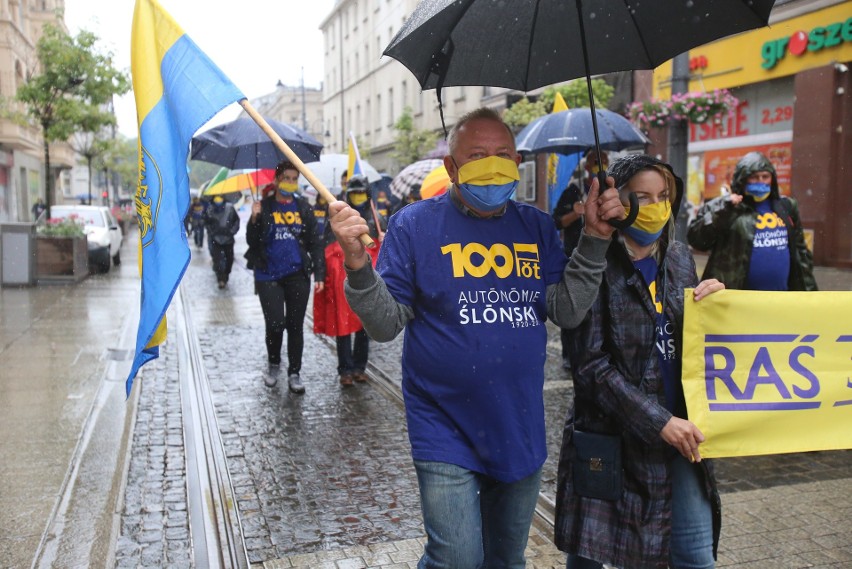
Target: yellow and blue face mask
488	183
650	221
287	188
758	191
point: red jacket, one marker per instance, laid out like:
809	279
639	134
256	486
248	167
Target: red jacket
332	315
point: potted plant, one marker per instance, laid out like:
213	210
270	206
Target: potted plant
61	250
694	107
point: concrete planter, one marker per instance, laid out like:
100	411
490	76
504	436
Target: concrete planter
61	259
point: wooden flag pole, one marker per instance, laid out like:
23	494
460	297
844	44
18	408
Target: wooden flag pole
297	162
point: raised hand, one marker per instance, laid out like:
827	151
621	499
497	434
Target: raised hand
601	207
348	226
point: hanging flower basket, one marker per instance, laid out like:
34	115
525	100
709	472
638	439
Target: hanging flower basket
697	108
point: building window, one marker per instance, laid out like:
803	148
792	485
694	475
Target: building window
379	112
369	117
526	186
358	127
390	107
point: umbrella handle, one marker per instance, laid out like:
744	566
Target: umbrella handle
297	162
634	206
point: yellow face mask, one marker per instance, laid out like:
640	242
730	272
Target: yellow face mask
357	198
489	171
289	187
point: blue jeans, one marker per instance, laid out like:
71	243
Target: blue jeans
473	521
691	545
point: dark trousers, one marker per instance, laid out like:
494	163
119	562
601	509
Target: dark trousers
198	234
284	303
223	259
349	359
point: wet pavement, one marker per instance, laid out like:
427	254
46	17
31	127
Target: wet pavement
321	480
63	416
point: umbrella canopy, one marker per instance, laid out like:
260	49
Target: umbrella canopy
329	167
571	131
242	144
435	183
239	180
411	177
526	44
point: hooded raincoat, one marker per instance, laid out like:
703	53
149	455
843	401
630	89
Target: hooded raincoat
727	231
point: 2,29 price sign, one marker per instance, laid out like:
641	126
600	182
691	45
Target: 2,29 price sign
777	115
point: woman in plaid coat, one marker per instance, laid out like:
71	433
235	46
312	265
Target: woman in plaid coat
665	510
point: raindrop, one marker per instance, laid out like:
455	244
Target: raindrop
689	4
592	16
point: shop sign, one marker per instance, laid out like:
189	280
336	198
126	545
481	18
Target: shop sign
800	42
764	108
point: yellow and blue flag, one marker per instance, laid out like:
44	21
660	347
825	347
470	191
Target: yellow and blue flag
354	165
559	166
177	89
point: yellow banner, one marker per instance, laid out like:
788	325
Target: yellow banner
769	372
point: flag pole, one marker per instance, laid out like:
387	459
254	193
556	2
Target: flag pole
297	162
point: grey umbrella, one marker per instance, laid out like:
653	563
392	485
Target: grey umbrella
526	44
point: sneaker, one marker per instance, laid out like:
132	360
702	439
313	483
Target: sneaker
271	376
346	379
359	376
295	383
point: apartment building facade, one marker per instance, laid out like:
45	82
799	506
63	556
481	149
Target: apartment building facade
21	147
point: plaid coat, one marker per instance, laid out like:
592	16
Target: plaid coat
619	390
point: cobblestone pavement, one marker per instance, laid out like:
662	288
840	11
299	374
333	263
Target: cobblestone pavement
325	479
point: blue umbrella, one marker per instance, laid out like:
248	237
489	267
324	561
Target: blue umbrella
572	131
242	144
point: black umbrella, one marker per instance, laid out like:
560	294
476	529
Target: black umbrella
526	44
241	143
572	131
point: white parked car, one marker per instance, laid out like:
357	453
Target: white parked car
102	232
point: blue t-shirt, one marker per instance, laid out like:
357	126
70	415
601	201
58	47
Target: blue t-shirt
769	268
473	356
281	242
321	215
665	344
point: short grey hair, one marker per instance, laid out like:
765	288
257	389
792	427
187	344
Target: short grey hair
480	113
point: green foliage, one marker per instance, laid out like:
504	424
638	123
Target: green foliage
72	85
70	89
576	94
523	112
71	226
410	144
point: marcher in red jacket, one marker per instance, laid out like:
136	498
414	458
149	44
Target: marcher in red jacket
332	314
